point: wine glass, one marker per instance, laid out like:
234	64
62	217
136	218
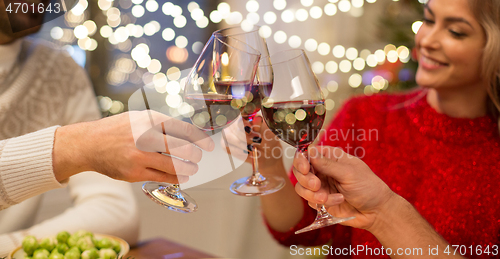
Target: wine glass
256	184
294	110
215	88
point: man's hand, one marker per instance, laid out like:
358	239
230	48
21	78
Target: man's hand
128	147
337	172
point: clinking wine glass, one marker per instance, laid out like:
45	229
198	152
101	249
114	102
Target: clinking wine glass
256	184
294	110
215	88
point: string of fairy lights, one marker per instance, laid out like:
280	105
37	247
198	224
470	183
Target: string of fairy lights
135	63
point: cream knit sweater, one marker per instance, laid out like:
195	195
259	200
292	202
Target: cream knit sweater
40	88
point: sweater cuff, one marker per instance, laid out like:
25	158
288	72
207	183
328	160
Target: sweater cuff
26	166
9	242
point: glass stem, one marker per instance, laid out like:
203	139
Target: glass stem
322	213
256	177
172	190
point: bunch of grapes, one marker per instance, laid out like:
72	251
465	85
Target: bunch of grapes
79	245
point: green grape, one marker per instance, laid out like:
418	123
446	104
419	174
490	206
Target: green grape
48	243
30	244
62	237
90	254
107	253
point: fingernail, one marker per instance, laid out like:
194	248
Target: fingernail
319	197
249	148
338	197
248	129
257	139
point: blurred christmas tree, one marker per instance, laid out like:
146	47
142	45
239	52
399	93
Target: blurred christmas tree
397	27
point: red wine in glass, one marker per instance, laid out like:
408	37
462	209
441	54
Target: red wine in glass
220	108
297	123
253	99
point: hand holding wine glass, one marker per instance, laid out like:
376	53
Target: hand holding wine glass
366	195
264	142
125	147
256	184
215	88
294	110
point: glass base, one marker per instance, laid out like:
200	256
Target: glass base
323	222
257	187
170	197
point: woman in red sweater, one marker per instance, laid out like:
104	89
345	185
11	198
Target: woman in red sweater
430	167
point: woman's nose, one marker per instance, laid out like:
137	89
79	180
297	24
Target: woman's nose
429	38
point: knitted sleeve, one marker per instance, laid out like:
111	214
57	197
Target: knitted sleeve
26	166
99	203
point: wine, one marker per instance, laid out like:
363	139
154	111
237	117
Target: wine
253	99
212	111
296	122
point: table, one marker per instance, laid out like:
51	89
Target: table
160	248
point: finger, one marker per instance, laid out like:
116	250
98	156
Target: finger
241	154
334	199
182	149
170	165
252	129
257	124
233	141
318	197
154	141
301	163
329	166
308	181
237	129
186	131
151	174
335	153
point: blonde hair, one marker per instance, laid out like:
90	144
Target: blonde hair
488	14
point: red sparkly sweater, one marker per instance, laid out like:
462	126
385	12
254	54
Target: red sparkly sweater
448	168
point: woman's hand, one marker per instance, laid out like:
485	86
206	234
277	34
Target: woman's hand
128	147
254	134
364	193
